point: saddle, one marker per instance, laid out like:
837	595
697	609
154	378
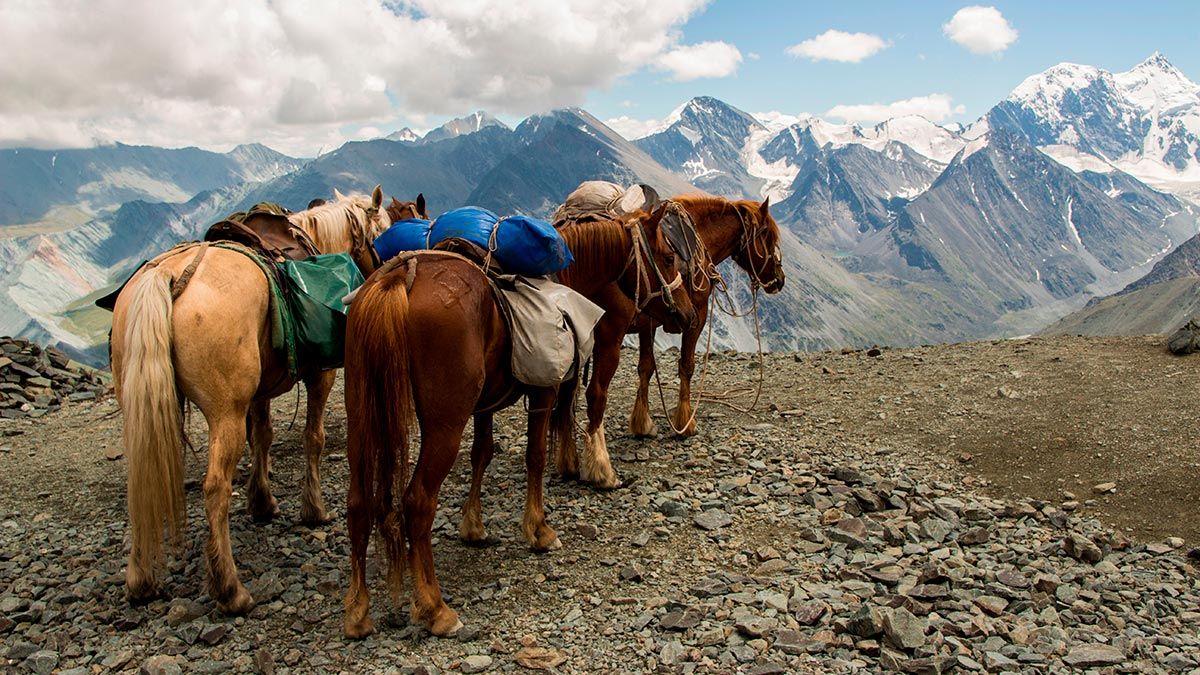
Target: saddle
266	230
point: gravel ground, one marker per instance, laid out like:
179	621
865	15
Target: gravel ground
1000	506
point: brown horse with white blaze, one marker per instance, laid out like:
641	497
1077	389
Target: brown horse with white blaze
209	340
426	340
743	230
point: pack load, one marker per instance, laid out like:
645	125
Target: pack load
411	234
602	200
520	244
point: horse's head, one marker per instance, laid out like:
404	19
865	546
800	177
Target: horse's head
365	219
399	210
655	281
758	248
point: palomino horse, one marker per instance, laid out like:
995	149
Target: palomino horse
425	338
742	229
212	344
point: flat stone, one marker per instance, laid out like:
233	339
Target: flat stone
991	604
1104	488
160	664
713	519
905	630
680	620
42	662
1093	655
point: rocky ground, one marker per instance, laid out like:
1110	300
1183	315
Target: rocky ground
1022	506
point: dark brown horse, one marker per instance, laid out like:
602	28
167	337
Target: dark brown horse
744	230
428	341
399	210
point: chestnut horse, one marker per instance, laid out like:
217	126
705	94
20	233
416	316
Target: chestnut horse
426	339
742	229
212	344
399	210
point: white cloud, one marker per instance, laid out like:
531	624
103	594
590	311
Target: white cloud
701	60
836	45
296	74
934	107
631	128
982	30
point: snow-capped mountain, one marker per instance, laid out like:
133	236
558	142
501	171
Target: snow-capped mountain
461	126
405	135
705	141
1145	121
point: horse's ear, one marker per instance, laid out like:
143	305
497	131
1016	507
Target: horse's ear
377	196
765	206
656	216
421	205
337	195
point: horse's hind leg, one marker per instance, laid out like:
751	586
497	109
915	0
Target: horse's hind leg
566	453
539	535
227	436
640	424
259	501
312	507
439	446
471	529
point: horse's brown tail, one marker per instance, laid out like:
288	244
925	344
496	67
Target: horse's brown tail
153	421
562	421
379	410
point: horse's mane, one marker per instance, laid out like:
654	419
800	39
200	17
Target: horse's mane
705	205
332	224
594	244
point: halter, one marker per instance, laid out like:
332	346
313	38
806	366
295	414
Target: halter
641	241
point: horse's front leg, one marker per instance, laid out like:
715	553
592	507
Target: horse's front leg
471	530
606	355
312	507
640	423
539	535
684	421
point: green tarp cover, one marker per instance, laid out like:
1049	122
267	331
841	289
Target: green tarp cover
316	286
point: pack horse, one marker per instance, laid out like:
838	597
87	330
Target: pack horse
196	324
408	316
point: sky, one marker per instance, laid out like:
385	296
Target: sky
305	76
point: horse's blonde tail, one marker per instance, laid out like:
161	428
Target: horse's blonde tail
379	411
153	421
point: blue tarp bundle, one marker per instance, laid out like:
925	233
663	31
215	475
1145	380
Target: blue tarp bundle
522	245
403	235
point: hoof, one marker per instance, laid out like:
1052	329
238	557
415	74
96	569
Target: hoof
445	624
241	603
141	594
359	628
314	517
263	511
552	546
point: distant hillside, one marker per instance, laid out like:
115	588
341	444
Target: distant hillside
1159	302
37	183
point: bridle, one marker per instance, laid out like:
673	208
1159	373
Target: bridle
749	244
361	247
665	290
